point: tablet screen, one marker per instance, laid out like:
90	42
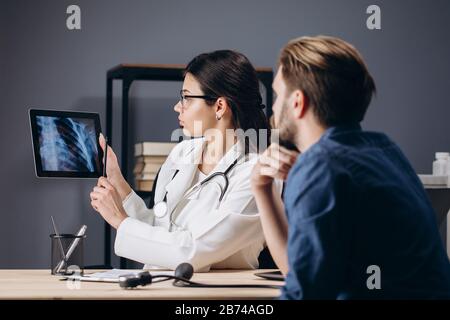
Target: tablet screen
66	143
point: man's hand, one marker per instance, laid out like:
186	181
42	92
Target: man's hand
106	201
274	163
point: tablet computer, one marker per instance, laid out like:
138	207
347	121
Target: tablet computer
271	275
65	144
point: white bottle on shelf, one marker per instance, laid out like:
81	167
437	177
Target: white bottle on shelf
441	166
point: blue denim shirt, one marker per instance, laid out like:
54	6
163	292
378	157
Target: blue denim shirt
353	201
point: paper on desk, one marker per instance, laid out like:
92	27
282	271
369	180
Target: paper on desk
116	273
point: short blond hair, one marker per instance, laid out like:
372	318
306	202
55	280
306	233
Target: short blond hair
332	75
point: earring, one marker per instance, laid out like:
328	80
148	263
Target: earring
217	117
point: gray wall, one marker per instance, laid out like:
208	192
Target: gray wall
42	64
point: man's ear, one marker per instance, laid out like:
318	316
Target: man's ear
300	104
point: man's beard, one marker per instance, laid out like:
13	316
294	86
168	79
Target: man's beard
288	131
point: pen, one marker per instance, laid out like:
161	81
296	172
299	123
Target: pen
71	249
58	267
106	156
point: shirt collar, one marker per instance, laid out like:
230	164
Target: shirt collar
332	131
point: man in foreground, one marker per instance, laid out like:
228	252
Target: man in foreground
355	221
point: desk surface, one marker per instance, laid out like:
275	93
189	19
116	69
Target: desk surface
40	284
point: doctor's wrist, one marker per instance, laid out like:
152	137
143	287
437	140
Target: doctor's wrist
121	185
124	190
118	221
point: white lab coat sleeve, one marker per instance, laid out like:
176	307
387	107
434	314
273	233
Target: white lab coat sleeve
136	208
222	232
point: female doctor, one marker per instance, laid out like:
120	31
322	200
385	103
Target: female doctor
204	212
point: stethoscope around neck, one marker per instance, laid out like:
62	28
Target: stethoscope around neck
160	209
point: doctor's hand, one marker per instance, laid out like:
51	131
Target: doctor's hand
113	172
274	163
106	201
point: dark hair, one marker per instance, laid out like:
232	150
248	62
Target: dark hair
229	74
332	75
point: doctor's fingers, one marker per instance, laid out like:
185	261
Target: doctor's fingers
94	205
101	190
95	195
100	196
98	206
112	158
102	141
103	182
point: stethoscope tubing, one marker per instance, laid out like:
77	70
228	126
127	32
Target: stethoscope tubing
194	188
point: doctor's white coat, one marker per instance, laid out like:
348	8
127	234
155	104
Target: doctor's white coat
209	234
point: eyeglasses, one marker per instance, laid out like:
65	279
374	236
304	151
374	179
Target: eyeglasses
184	97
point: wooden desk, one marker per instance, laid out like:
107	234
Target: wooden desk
41	285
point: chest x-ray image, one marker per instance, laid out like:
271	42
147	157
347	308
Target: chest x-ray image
67	144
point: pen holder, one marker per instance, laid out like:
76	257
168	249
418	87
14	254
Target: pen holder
73	259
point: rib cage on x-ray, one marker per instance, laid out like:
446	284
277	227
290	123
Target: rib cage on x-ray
67	144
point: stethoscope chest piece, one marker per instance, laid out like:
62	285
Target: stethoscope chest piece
160	209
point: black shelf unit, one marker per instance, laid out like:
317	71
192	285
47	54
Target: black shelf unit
129	73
